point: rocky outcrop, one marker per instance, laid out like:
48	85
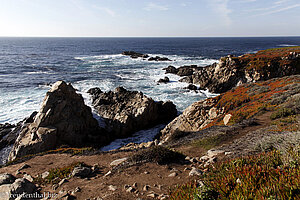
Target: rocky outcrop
62	119
183	70
158	58
135	55
164	80
194	118
128	111
233	71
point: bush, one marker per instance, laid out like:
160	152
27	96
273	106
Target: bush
282	112
158	154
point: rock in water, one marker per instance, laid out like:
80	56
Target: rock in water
129	111
62	119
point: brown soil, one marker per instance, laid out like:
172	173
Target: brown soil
97	186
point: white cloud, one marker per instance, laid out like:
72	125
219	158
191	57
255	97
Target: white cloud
281	9
153	6
221	7
107	10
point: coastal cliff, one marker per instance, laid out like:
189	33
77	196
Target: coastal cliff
233	71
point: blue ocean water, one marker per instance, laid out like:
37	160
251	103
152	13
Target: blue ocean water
29	65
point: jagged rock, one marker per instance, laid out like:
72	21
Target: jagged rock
134	54
195	172
191	87
126	111
232	71
6	178
17	188
62	119
81	171
157	58
193	118
164	80
171	69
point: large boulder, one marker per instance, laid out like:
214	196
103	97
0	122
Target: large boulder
18	189
62	119
128	111
194	118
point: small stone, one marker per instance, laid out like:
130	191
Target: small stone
172	174
28	177
163	197
146	187
126	186
204	158
160	187
54	187
152	195
134	184
112	188
195	172
193	160
226	119
212	152
118	161
238	181
25	166
77	189
187	169
187	158
62	182
130	190
108	173
146	173
228	153
44	175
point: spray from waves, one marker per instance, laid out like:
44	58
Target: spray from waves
138	137
108	72
287	45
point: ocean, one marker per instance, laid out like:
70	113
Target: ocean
29	65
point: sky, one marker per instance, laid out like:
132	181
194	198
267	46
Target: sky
153	18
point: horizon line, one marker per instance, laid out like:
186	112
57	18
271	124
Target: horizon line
149	36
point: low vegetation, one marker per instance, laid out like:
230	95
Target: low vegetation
159	154
57	174
249	100
264	176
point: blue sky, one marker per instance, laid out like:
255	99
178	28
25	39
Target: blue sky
131	18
